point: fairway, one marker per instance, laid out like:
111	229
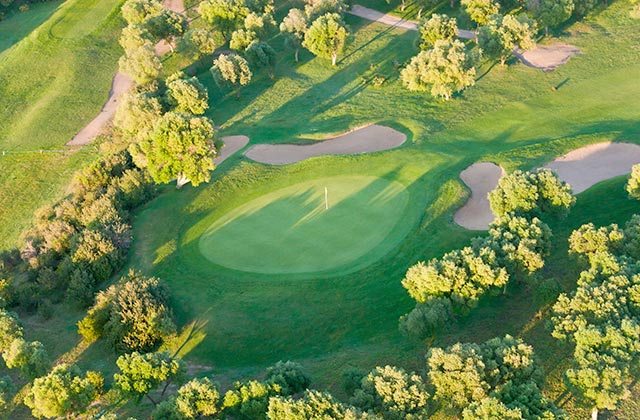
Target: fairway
291	231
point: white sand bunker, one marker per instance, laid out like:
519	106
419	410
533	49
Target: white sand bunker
586	166
372	138
231	145
481	178
547	57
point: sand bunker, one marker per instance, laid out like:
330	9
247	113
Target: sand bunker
121	83
373	138
586	166
231	145
481	178
547	57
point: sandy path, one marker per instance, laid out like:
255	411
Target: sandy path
547	57
386	19
121	83
231	145
481	178
586	166
372	138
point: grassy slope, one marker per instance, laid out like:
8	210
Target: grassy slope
512	116
53	81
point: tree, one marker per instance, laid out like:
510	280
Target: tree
533	192
480	11
312	405
63	392
198	42
392	393
141	64
133	37
181	147
249	400
326	37
438	27
633	184
427	318
442	70
6	387
289	376
10	329
31	358
224	15
138	11
137	113
231	70
187	94
241	38
262	24
167	25
551	13
503	34
195	399
583	7
260	54
490	408
293	27
142	373
316	8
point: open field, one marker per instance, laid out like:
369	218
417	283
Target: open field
253	260
55	71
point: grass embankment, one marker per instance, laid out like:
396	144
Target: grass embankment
56	65
512	116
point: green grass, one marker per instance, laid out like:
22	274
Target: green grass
333	320
56	72
292	230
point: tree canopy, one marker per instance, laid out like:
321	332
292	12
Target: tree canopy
326	37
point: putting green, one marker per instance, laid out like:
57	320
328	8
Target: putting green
291	231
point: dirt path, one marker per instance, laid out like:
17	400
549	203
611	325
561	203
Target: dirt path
481	178
121	83
231	145
387	19
547	57
372	138
586	166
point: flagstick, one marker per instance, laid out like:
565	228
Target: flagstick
326	199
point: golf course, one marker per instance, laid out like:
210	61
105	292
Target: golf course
320	208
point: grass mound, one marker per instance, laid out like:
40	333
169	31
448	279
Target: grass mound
291	231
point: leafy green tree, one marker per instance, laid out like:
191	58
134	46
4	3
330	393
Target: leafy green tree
31	358
231	70
141	64
490	408
181	147
63	392
533	192
503	34
443	70
224	15
392	393
633	184
187	94
312	405
260	54
551	13
326	37
241	39
436	28
140	374
198	42
427	318
316	8
138	11
588	240
262	24
167	25
196	399
293	28
136	114
133	37
10	329
249	400
289	376
6	387
480	11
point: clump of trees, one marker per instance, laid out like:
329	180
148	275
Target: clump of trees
134	314
444	69
231	71
502	34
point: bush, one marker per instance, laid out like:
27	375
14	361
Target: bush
289	376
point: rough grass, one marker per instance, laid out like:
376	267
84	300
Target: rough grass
55	74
